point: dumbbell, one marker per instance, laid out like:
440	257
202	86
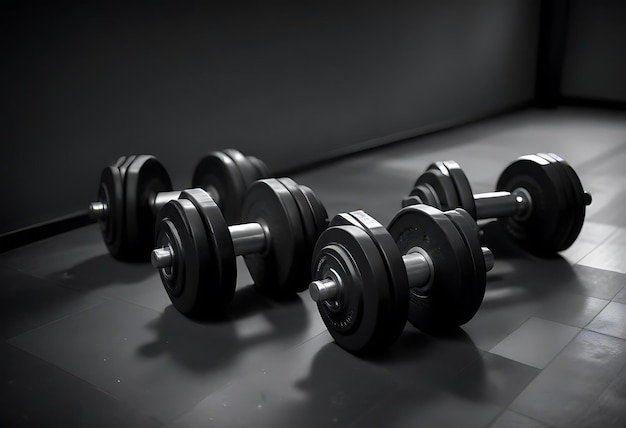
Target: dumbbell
134	189
539	199
428	266
196	249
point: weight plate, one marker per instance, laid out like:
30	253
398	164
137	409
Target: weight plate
180	228
475	292
262	169
578	210
320	215
307	222
218	174
275	270
112	226
221	275
394	308
439	304
538	231
247	171
123	166
462	186
348	254
145	177
426	194
442	185
565	190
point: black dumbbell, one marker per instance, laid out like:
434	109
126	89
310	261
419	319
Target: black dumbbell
134	189
539	199
196	249
428	266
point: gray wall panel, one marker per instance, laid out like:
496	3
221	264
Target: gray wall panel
286	82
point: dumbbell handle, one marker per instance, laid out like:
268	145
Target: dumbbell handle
502	204
418	266
98	210
247	238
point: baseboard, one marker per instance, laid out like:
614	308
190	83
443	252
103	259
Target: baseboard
39	231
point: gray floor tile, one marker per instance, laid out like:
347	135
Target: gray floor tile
536	342
609	254
493	379
621	296
419	359
510	419
573	381
611	321
162	364
34	393
27	302
609	410
571	309
417	407
593	282
314	385
591	236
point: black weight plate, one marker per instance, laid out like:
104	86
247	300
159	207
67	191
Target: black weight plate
306	220
462	186
536	232
411	200
394	308
145	177
354	317
426	194
578	210
439	305
218	174
275	270
247	171
475	292
180	227
112	226
565	189
221	278
262	170
123	167
306	214
442	185
320	215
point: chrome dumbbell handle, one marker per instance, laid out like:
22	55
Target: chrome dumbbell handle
247	238
419	269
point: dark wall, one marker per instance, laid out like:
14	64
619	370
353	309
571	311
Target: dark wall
286	82
595	54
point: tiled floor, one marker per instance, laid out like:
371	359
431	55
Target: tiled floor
88	341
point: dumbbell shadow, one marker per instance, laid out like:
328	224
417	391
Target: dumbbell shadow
256	322
101	271
518	276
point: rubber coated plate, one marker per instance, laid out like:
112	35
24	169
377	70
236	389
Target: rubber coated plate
561	182
111	193
275	270
438	305
218	174
320	215
145	177
538	231
394	308
442	185
221	275
180	227
426	195
578	210
475	291
353	317
262	169
307	222
462	186
247	171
